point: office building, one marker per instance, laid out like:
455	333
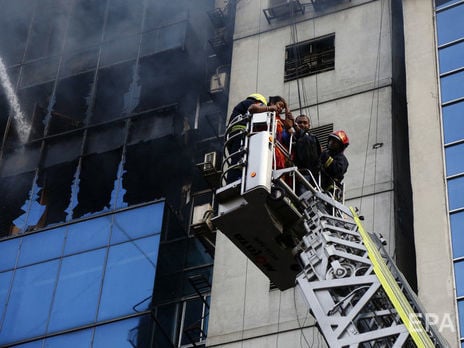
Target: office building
370	68
106	107
112	115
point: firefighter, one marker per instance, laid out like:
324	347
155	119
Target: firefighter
254	103
334	164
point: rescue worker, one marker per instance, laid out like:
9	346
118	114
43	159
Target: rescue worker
307	150
334	164
254	103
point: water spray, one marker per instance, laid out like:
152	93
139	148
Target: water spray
22	125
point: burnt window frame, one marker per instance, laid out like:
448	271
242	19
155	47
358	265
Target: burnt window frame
309	57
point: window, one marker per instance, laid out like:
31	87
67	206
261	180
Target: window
451	87
457	233
454	163
309	57
453	117
455	196
75	269
450	57
449	24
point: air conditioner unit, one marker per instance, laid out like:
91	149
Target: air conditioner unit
209	161
218	83
201	219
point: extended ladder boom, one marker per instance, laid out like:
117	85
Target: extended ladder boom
353	288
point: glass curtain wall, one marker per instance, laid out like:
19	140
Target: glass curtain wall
105	108
91	281
450	36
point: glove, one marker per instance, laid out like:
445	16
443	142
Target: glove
326	159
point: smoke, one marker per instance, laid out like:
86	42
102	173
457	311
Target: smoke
22	126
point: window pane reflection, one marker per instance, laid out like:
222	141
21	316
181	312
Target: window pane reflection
8	252
135	332
454	163
451	57
461	316
455	193
88	234
453	122
29	304
192	329
451	87
457	233
137	223
78	290
35	344
449	24
129	278
443	3
41	246
5	282
459	273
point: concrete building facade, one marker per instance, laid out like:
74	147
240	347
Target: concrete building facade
434	63
122	99
382	87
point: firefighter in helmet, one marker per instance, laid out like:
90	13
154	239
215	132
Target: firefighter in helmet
254	103
334	163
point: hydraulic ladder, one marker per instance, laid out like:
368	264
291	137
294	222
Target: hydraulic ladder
353	288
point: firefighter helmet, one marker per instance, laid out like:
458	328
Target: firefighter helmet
341	136
258	97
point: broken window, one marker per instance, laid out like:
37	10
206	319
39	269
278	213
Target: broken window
96	182
20	108
106	137
151	125
14	191
309	57
56	183
20	159
34	103
113	85
156	169
171	71
71	103
58	150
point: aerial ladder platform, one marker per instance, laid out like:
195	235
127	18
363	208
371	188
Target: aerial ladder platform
298	235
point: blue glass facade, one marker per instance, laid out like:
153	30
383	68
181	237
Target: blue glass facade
450	36
105	108
59	280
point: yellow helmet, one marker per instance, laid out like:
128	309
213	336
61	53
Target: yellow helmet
258	97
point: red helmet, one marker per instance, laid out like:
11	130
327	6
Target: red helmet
341	136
